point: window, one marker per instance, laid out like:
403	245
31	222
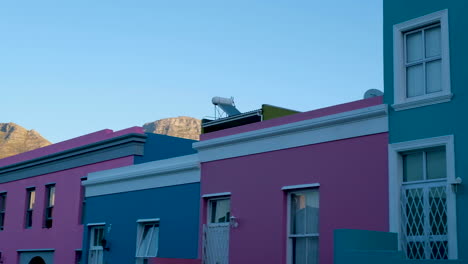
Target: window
96	248
147	240
30	200
78	256
216	231
49	205
219	210
2	209
303	230
83	201
421	61
424	215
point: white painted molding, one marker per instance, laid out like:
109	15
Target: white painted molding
395	169
161	173
399	75
148	220
301	186
355	123
209	195
430	100
36	250
96	224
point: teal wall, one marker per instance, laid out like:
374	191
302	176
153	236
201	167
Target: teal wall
372	247
439	119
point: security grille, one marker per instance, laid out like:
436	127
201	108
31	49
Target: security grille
216	244
424	220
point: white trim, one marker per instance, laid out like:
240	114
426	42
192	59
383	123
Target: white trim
210	195
36	250
155	174
399	79
427	100
148	220
96	224
395	172
355	123
300	186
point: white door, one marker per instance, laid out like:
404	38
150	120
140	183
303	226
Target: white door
96	250
216	232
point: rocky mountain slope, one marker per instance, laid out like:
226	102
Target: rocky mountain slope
182	126
15	139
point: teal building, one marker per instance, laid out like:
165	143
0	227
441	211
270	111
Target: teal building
425	85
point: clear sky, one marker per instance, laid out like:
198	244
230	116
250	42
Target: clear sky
69	68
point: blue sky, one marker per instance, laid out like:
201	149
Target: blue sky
68	68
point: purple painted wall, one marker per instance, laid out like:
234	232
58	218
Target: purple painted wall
65	236
353	178
353	193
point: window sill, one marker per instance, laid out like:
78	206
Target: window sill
423	102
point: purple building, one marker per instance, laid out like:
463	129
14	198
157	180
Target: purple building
41	195
274	191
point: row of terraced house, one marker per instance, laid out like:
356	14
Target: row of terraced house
378	180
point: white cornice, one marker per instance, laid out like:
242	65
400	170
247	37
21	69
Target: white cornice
174	171
360	122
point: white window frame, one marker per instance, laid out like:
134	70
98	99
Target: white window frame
395	168
141	223
208	220
401	102
92	227
290	190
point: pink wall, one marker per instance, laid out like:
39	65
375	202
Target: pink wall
66	233
352	174
296	117
65	236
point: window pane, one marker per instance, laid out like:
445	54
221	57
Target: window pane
439	250
415	80
434	76
32	198
436	165
144	241
432	37
413	167
51	195
2	202
312	250
312	212
153	247
438	211
414	47
220	211
298	214
300	250
415	250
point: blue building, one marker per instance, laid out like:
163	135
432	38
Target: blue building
425	87
145	213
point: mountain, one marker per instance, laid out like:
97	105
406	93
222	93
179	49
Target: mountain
15	139
182	126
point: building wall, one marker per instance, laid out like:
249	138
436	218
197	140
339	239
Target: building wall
177	207
165	147
438	119
65	235
352	174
